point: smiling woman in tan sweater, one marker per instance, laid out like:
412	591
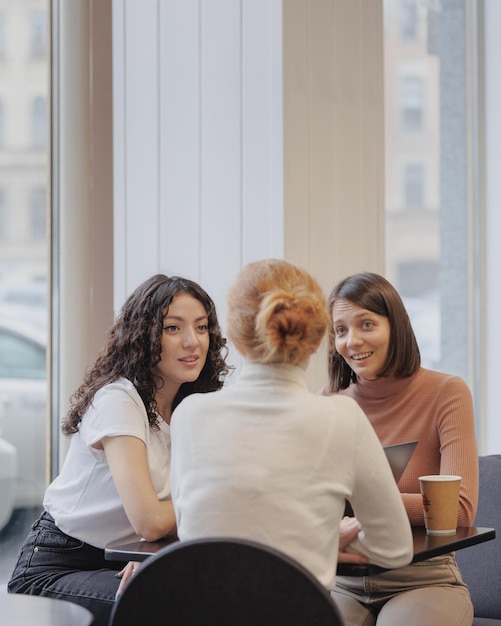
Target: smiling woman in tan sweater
374	359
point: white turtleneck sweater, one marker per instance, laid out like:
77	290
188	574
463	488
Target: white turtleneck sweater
265	459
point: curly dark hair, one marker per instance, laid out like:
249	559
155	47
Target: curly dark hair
133	349
374	293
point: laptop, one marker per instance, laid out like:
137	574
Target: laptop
398	456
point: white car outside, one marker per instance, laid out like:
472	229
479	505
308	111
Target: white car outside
26	302
23	401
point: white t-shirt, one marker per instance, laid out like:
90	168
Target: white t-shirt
83	499
265	459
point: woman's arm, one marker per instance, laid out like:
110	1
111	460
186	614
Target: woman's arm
386	537
447	446
348	532
458	446
150	517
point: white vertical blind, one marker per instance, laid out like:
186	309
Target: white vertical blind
197	125
333	141
246	129
179	136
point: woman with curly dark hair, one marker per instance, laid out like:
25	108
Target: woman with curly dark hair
115	482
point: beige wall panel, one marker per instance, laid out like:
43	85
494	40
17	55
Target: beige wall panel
82	188
333	140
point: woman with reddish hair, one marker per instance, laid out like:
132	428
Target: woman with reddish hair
268	460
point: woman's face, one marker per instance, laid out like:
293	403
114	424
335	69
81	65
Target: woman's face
362	338
185	341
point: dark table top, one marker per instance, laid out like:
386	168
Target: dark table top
428	546
138	550
425	547
24	610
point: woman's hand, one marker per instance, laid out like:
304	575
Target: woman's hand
125	575
349	528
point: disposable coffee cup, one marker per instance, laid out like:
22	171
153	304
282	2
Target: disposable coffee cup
440	493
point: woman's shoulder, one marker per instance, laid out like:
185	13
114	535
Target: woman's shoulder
120	390
120	384
441	382
438	377
341	404
197	402
117	408
349	392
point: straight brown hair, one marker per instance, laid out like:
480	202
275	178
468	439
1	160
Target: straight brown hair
376	294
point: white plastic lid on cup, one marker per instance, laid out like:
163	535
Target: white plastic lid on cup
440	477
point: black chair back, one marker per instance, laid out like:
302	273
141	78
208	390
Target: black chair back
219	581
481	565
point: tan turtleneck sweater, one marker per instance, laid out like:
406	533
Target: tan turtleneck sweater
435	409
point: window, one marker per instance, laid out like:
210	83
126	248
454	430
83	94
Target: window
2	35
429	254
21	358
23	266
2	126
39	123
3	217
38	214
411	103
419	288
414	185
38	23
409	20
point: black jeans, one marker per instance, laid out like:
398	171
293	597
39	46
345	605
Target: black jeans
55	565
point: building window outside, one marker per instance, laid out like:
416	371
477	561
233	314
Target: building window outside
38	214
2	35
2	126
409	18
38	24
414	185
412	103
39	114
3	217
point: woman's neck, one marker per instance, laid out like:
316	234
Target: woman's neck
164	398
383	387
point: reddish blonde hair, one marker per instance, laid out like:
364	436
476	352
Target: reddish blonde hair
277	312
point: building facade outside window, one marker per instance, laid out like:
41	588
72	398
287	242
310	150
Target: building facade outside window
24	262
429	256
